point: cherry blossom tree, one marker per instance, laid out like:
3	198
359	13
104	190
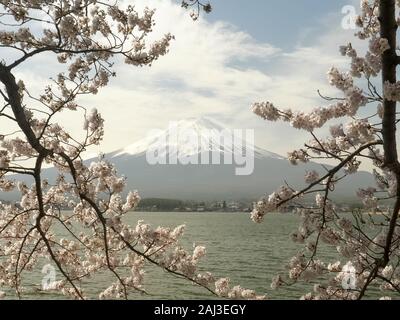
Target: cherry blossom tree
87	37
363	125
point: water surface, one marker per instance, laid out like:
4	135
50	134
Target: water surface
249	254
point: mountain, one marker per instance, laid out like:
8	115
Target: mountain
203	129
193	181
210	181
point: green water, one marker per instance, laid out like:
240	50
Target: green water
249	254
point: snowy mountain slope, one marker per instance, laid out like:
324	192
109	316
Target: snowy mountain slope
212	181
209	181
204	128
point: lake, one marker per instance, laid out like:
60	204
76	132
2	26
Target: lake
249	254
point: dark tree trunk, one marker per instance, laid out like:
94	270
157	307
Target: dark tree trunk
389	62
387	18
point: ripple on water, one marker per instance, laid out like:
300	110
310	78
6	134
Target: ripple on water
250	254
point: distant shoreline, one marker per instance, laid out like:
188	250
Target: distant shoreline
199	212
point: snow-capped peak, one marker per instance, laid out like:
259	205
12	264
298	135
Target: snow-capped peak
192	136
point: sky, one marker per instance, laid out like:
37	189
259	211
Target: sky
242	52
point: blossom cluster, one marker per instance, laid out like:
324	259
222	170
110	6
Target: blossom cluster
360	238
86	37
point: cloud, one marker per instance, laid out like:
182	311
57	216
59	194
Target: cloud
212	69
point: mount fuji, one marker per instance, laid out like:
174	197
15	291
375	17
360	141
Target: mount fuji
212	181
204	129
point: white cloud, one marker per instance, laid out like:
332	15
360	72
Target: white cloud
212	69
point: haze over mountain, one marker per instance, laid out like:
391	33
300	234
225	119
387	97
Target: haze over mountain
210	181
